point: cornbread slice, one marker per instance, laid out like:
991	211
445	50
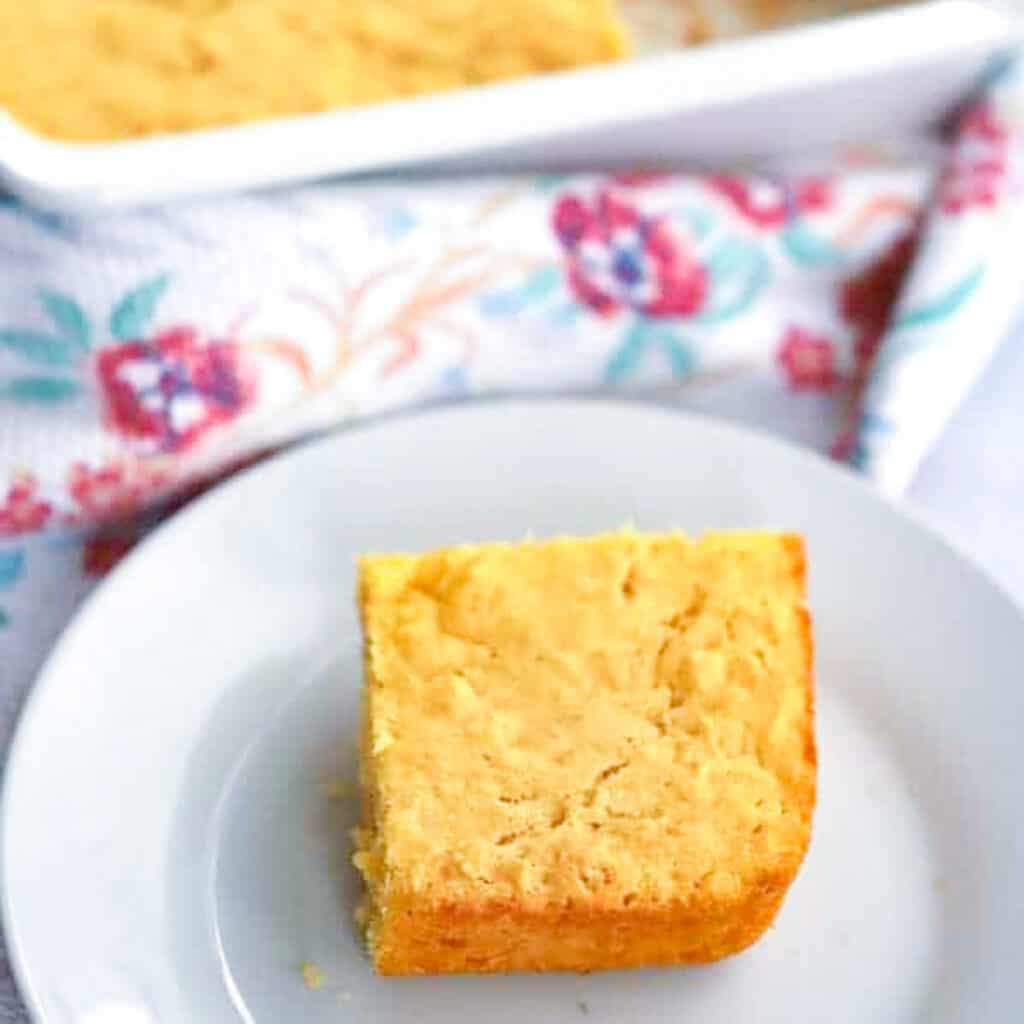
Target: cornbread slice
120	68
583	753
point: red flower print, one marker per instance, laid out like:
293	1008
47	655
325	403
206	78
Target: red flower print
113	491
166	392
22	510
843	445
619	258
100	554
866	301
807	360
978	161
769	204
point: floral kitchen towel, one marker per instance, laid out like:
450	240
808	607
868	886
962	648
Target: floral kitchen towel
847	305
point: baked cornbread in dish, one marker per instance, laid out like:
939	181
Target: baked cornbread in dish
583	753
114	69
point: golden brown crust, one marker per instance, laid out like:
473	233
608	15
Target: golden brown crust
798	553
505	938
810	746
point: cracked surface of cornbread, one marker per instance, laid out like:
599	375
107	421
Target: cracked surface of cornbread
121	68
583	753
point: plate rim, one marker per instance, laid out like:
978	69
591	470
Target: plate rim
44	680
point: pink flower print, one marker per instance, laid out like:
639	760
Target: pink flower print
812	194
23	511
978	162
113	491
167	392
769	204
808	360
618	258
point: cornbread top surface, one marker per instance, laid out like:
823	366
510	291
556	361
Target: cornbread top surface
121	68
624	719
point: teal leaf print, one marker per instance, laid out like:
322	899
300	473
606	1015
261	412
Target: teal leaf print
640	339
39	389
68	317
550	182
870	423
945	305
738	271
5	619
696	220
453	382
131	316
510	301
564	315
1000	65
38	347
393	222
873	423
541	283
807	247
12	564
498	305
53	223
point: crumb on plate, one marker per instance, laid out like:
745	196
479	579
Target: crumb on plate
312	976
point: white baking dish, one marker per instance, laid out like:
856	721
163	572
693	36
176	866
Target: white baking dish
848	77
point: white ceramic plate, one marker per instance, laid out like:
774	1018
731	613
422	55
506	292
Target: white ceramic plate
170	855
